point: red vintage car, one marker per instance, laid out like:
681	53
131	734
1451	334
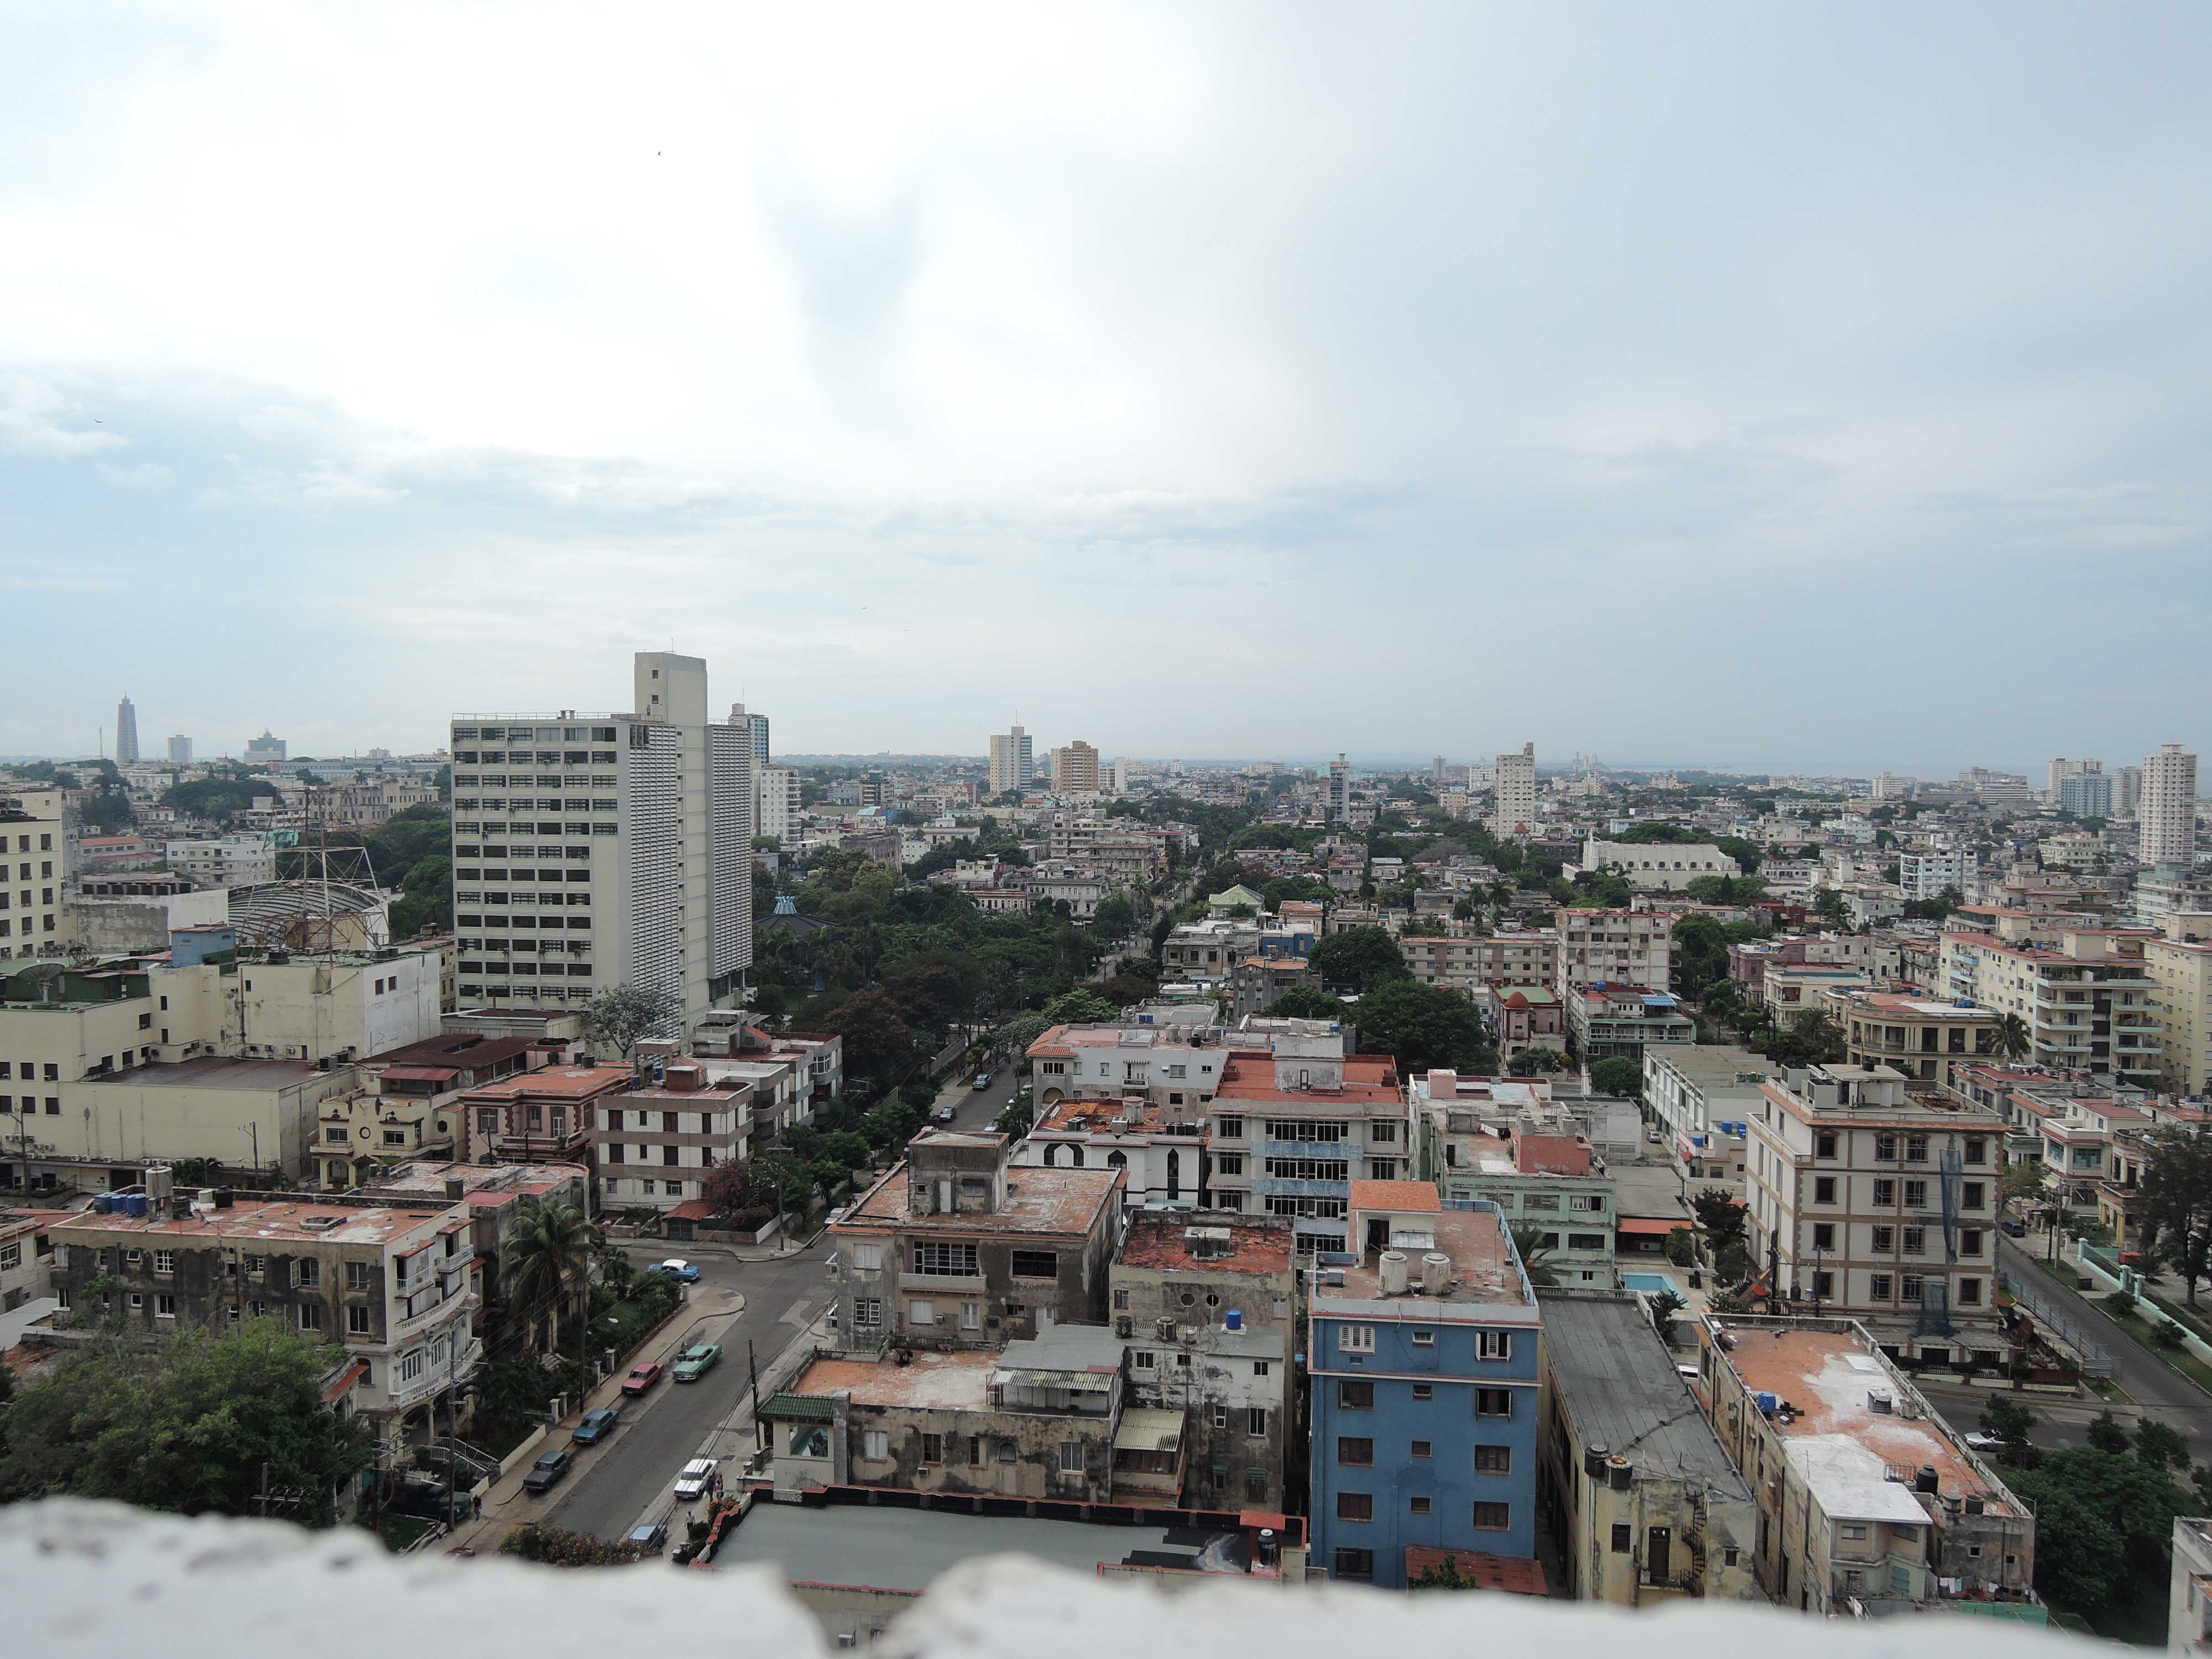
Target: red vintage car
643	1376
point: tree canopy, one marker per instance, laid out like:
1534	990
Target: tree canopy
1617	1075
620	1016
1423	1026
2173	1208
190	1426
1358	959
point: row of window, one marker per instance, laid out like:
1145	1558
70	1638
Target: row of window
1885	1239
1826	1144
1359	1396
1360	1339
1973	1194
1355	1451
1360	1506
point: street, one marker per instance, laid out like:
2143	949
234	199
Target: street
627	1478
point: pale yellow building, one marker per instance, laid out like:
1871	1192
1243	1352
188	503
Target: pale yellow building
2181	965
33	863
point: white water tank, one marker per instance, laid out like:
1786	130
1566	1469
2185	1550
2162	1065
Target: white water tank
1395	1272
1436	1272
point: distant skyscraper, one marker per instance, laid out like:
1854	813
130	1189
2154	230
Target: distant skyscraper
1339	790
1515	813
1075	768
180	751
126	733
265	750
757	725
2127	791
2086	794
2166	817
1011	753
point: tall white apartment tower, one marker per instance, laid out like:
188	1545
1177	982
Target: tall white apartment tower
2166	816
126	733
1339	790
1011	757
596	850
1516	812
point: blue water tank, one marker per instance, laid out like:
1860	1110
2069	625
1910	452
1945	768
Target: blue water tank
103	1205
136	1203
1234	1319
1767	1402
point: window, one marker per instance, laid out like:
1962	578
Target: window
971	1315
164	1305
1970	1240
1229	1163
932	1449
920	1313
1915	1241
1915	1194
1970	1293
1915	1149
306	1272
1973	1195
1494	1460
1494	1345
1493	1517
1854	1534
357	1318
1823	1235
1424	1392
1885	1239
1586	1242
1256	1421
1031	1264
1144	1359
1885	1192
1824	1285
950	1261
1978	1150
1419	1505
1355	1506
1623	1537
868	1311
1356	1564
1259	1367
1424	1339
1355	1450
311	1315
1493	1402
1824	1144
1885	1148
1070	1457
165	1262
1355	1338
1355	1396
1423	1448
867	1258
1908	1288
1880	1287
1824	1189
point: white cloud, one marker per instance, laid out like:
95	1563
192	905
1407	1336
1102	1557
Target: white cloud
32	413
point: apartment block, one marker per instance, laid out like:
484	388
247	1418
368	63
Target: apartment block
1613	947
1620	1021
2179	963
1919	1036
1292	1128
653	1143
2166	816
604	849
1925	875
948	1249
544	1116
223	860
392	1284
780	810
2087	995
1658	866
1643	1504
1866	1200
1423	1360
1690	1090
1548	1182
1868	1505
1206	1303
1515	814
1075	769
1012	763
34	862
1470	963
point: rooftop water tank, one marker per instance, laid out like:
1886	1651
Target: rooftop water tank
1234	1319
1395	1272
1436	1272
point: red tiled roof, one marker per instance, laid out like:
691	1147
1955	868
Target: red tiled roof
1395	1195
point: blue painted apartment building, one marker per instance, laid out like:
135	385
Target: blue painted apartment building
1422	1357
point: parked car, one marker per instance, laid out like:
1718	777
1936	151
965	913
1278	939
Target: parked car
651	1536
676	1267
696	1361
944	1114
1977	1441
698	1476
2012	1228
643	1376
596	1427
982	1080
546	1473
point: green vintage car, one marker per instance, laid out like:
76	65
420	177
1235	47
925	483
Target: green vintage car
696	1361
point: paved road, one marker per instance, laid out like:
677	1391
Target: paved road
978	1108
2145	1378
630	1475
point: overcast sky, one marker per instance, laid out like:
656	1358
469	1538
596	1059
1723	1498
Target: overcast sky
1773	385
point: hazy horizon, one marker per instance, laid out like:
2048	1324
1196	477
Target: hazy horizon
1747	383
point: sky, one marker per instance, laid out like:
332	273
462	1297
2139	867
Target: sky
1805	387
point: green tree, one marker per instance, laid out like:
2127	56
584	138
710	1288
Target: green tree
2008	1419
547	1263
2106	1435
879	1042
1814	1038
2101	1517
1081	1007
1358	959
1115	918
2173	1208
1305	1002
1666	1307
1537	1255
622	1016
1422	1027
191	1424
1829	905
1531	1062
2014	1040
1617	1075
2160	1446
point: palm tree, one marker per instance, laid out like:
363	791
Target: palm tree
1535	1254
550	1249
2014	1040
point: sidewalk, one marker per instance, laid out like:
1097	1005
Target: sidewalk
501	1514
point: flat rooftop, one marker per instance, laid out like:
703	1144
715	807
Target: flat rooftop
956	1381
1483	1270
906	1549
214	1072
1231	1244
288	1221
1038	1200
557	1082
1843	1445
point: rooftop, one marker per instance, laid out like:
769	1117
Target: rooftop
287	1220
556	1081
1623	1392
466	1050
1368	1079
214	1072
1841	1443
959	1380
1066	1202
484	1184
1130	1116
1165	1243
1484	1273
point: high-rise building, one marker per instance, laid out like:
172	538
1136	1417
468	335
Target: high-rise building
265	750
756	728
2166	815
1340	789
2062	769
1011	754
1075	769
779	804
34	847
641	862
126	733
2127	791
180	751
1515	813
2086	794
